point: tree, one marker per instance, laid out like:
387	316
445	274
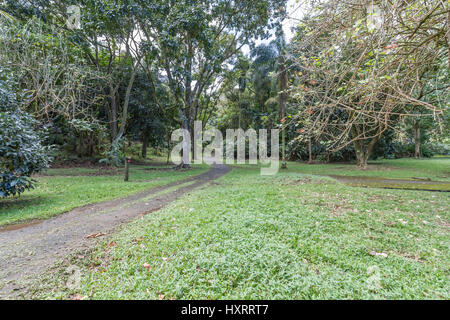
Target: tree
51	71
21	150
148	121
283	82
270	65
107	40
192	42
360	81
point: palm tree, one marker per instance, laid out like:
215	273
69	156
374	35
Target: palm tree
271	58
6	15
283	83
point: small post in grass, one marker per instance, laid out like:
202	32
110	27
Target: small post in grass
127	168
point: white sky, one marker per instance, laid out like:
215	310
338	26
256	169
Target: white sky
294	14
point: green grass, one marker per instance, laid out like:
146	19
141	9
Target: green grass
396	184
289	236
62	190
437	169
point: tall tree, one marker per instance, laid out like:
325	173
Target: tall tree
192	42
361	73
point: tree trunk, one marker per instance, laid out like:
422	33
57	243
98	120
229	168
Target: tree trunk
448	37
310	151
127	101
361	156
364	152
168	147
416	139
283	82
185	124
112	113
240	112
144	146
362	161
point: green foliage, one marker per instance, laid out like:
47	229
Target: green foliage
150	116
436	148
114	155
21	150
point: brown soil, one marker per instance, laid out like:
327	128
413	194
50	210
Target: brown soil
28	250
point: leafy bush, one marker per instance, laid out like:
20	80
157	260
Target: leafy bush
114	156
134	150
298	150
21	150
437	148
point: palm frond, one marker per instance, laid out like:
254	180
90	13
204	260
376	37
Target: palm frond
6	15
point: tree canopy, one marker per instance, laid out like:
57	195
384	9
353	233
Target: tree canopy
358	79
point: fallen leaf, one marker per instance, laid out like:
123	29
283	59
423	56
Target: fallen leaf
112	244
137	240
160	296
77	297
148	267
380	254
95	235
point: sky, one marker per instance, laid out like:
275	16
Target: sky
294	14
294	10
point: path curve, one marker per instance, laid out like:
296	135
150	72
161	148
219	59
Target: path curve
29	251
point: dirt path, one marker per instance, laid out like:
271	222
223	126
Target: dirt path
28	250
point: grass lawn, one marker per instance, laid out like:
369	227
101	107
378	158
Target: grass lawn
437	169
391	174
289	236
61	190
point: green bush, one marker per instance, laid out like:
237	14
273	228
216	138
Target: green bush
21	150
114	155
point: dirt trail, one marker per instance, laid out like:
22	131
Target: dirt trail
28	250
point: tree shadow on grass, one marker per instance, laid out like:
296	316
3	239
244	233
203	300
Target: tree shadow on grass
387	183
13	201
15	211
19	203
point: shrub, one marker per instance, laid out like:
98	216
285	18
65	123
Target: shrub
114	155
21	150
